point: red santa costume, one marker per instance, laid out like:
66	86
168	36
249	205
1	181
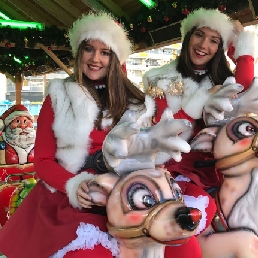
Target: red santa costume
186	98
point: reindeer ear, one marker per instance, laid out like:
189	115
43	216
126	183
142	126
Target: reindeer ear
101	186
203	141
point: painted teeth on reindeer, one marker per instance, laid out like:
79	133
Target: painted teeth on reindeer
188	218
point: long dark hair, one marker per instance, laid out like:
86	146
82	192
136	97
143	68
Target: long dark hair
118	94
218	69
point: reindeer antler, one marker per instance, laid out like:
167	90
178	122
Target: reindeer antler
128	147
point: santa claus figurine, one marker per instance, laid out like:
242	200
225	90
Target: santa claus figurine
16	142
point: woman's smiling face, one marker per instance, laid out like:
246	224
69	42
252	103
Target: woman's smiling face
203	45
95	60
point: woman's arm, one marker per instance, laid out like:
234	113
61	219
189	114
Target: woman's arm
45	162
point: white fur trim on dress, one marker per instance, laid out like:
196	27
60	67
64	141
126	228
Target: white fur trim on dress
101	26
88	237
72	186
75	114
246	43
195	104
201	203
211	18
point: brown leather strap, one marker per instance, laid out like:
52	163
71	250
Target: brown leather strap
141	230
236	159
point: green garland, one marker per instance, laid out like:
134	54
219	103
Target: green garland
146	20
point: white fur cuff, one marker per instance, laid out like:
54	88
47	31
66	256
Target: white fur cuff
246	43
195	105
72	186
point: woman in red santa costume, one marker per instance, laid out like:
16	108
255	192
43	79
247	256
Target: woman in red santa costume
76	115
192	80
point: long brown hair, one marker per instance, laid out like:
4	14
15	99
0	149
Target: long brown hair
118	94
218	69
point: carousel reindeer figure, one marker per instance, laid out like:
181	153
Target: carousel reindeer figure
144	204
234	143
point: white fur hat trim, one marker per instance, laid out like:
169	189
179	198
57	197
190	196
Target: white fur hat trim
211	18
101	26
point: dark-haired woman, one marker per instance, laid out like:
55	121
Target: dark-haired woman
187	83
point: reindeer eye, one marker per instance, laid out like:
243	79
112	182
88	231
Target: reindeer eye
176	190
240	130
139	197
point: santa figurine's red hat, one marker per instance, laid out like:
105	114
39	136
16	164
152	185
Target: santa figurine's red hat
13	112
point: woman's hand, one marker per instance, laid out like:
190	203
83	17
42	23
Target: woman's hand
83	197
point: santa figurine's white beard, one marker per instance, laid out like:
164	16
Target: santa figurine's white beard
23	141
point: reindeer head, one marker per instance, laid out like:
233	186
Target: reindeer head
234	145
145	206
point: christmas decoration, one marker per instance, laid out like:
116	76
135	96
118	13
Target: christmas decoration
185	11
49	48
131	26
149	19
143	29
8	45
166	18
174	5
222	8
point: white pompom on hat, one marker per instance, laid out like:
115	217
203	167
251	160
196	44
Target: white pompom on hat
13	112
211	18
103	27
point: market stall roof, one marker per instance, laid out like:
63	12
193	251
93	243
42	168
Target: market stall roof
30	49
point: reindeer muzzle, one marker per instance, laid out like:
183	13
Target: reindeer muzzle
188	217
238	158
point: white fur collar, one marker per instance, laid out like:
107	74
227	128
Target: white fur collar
190	87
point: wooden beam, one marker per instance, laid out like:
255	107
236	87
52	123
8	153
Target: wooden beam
9	76
10	11
115	9
94	5
18	88
68	6
56	11
254	8
31	14
57	60
38	46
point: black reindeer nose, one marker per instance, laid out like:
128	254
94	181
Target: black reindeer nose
188	218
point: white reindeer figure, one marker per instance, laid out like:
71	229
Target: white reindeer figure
234	143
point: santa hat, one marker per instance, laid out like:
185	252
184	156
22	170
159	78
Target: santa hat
103	27
211	18
10	114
